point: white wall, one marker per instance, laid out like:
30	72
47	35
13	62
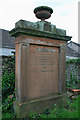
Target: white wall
0	37
6	51
70	57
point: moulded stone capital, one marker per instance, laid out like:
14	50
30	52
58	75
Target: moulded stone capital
40	29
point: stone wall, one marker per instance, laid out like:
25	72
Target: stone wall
72	69
73	74
8	63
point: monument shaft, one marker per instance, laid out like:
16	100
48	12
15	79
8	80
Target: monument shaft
40	77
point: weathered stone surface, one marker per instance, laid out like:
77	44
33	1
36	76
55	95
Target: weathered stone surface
43	12
40	28
39	105
40	65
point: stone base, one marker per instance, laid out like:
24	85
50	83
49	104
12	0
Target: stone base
38	105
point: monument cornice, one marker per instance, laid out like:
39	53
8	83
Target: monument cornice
28	31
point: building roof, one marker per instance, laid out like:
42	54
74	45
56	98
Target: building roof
7	41
71	52
74	43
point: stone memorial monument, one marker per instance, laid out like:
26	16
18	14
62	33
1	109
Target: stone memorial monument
40	77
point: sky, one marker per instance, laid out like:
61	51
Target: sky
65	14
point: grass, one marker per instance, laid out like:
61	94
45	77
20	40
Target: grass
8	115
67	109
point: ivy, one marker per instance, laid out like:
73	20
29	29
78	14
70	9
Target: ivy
74	61
72	75
8	83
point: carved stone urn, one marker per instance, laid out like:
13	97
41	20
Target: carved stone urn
43	12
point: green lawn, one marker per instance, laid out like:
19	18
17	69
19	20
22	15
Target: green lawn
67	109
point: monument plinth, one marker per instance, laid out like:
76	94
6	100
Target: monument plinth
40	77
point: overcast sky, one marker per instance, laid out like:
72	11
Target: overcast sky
65	14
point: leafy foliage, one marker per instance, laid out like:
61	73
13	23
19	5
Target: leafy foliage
73	61
67	109
74	81
8	84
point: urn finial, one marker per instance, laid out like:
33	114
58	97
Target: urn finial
43	12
